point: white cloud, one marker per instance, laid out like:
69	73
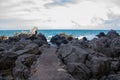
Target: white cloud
55	14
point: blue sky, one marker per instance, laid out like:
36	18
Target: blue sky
60	14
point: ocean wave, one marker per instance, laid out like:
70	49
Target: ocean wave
89	37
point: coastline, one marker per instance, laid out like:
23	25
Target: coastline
23	57
90	34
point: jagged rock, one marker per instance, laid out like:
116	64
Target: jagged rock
40	42
113	77
115	64
29	49
22	36
33	48
82	43
7	60
77	55
40	36
32	37
115	46
65	50
21	52
79	70
99	66
57	39
24	42
97	59
97	63
13	39
21	70
112	34
101	34
101	45
16	47
5	46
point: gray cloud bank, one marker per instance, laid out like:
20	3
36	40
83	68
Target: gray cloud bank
14	13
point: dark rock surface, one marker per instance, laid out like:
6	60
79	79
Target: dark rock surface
96	59
29	57
61	38
17	55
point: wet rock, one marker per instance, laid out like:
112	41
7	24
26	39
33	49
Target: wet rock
112	34
101	34
84	39
40	36
57	39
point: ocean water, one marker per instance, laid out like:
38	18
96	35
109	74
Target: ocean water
90	34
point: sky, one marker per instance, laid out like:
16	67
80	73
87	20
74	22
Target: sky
60	14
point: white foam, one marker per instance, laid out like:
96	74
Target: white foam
89	37
80	37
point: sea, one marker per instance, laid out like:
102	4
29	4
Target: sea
89	34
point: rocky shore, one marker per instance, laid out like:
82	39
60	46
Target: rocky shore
31	57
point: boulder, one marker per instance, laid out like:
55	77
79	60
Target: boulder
101	45
101	34
33	48
112	34
23	63
65	50
7	60
29	49
78	55
57	39
79	70
40	36
115	46
98	65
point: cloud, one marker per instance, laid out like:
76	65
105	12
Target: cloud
55	14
